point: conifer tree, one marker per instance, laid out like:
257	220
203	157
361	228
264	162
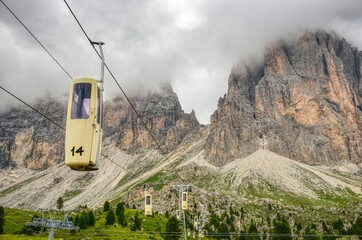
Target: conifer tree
242	235
325	228
106	206
119	208
173	226
223	229
76	220
281	226
356	228
253	231
308	234
121	219
215	220
167	214
110	217
92	220
137	223
82	221
299	226
2	219
339	226
60	203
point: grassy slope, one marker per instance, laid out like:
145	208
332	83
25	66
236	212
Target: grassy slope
151	227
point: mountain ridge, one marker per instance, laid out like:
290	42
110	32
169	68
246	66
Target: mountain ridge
254	119
303	102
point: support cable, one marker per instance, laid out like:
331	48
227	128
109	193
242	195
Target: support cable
61	127
36	39
124	93
13	95
32	108
58	125
58	63
14	223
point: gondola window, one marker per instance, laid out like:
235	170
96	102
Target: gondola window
81	101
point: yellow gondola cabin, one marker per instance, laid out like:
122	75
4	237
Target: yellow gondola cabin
148	205
83	136
184	201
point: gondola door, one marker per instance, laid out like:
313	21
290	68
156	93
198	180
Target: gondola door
97	127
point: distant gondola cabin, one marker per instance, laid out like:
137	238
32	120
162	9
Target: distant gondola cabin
148	205
184	200
83	136
196	224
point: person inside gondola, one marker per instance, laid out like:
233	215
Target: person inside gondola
81	101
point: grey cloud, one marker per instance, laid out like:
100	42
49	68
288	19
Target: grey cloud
192	44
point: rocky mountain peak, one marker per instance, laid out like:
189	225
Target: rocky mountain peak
302	102
163	116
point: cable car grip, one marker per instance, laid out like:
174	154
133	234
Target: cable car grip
100	44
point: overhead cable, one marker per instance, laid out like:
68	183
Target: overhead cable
127	98
13	95
57	124
36	39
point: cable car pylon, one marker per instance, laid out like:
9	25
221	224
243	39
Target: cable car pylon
182	192
83	137
51	223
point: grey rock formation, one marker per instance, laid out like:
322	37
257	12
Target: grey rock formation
162	114
29	140
302	102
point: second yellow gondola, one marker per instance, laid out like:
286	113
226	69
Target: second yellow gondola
148	205
184	204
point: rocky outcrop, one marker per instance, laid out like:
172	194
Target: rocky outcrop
162	114
27	140
303	102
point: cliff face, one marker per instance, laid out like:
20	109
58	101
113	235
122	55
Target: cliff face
29	140
163	116
303	102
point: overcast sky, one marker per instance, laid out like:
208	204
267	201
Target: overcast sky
192	44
